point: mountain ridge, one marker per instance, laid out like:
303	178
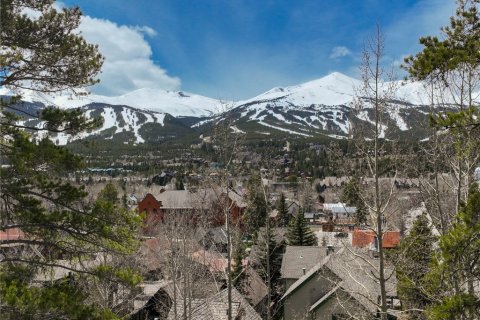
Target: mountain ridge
318	107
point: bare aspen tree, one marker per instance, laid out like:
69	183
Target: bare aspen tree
180	254
374	98
268	272
227	142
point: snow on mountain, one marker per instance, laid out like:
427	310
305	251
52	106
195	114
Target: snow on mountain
121	124
334	89
325	106
321	106
176	103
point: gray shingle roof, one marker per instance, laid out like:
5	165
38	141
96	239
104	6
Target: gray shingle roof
296	258
324	298
216	306
185	199
357	272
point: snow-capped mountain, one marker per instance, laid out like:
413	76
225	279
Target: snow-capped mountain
319	107
326	106
334	89
121	124
176	103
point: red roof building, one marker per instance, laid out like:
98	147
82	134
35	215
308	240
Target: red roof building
367	238
11	237
150	206
12	234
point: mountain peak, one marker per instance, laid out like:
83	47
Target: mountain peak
339	77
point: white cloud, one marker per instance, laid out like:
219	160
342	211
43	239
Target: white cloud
338	52
128	58
145	29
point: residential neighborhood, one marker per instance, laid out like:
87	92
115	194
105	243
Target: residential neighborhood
240	160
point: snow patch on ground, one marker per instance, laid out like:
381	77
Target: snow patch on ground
159	118
235	129
283	129
363	115
279	117
201	123
395	115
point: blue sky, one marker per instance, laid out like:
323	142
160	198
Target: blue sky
232	49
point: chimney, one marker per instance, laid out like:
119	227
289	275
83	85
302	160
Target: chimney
303	269
330	249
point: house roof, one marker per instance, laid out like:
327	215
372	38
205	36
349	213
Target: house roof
239	200
256	289
175	199
324	298
149	289
344	210
215	307
153	252
213	260
357	273
296	258
303	279
12	234
218	234
365	238
185	199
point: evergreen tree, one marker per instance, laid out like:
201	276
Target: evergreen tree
456	268
283	214
299	233
351	196
413	263
274	254
46	54
451	67
238	272
308	201
256	211
459	49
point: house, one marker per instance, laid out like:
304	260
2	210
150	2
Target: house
213	261
154	254
215	239
335	239
255	290
11	241
153	302
337	225
163	178
203	204
150	207
297	260
312	217
236	204
367	239
340	285
339	210
293	207
132	201
11	234
215	307
170	203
